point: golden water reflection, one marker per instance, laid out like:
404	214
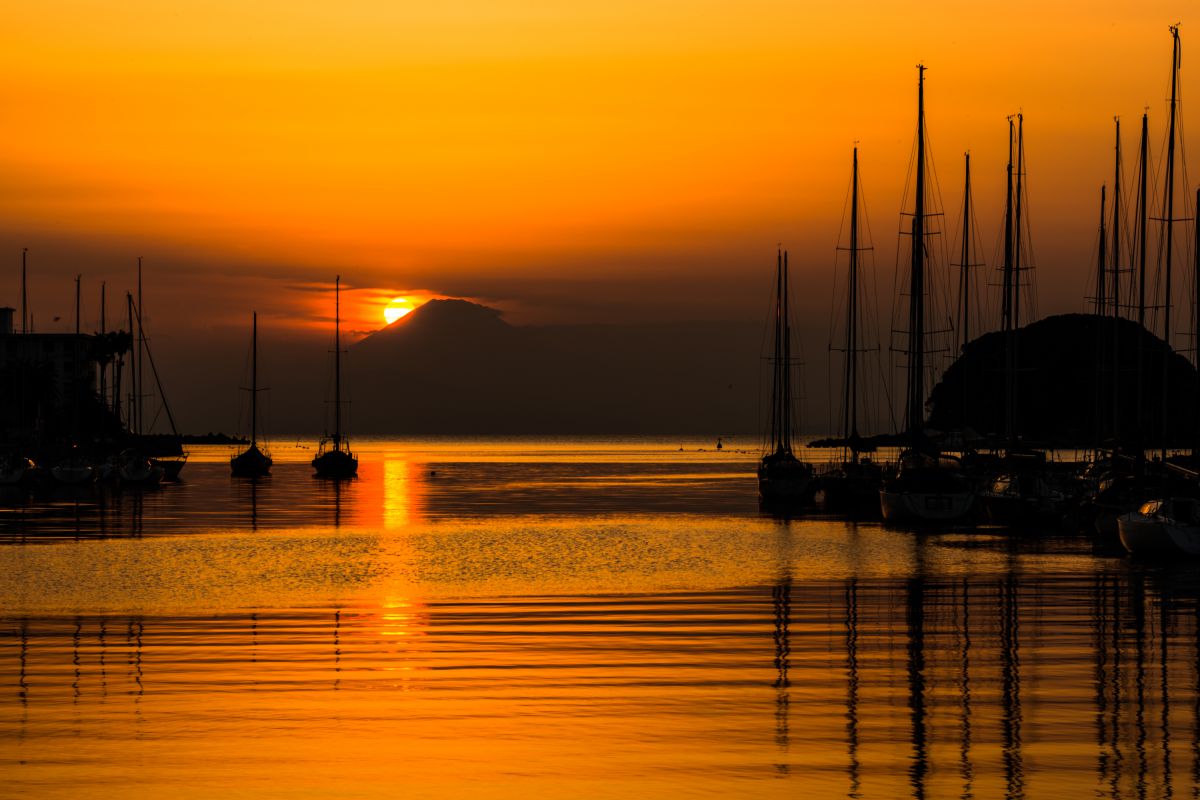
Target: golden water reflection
861	688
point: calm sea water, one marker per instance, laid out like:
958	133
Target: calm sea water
564	618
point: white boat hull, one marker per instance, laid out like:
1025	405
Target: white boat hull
72	475
925	506
786	489
1144	535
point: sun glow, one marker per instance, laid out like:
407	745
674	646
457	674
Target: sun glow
397	308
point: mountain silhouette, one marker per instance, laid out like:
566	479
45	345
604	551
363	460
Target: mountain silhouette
1065	385
452	366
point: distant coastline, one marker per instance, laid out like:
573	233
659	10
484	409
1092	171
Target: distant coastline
211	438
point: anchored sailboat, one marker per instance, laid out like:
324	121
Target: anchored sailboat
929	487
781	476
334	458
852	485
252	462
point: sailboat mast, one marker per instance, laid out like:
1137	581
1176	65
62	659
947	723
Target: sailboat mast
1006	275
1117	228
132	411
1196	308
1143	214
104	362
1116	224
787	363
337	361
964	280
1169	219
916	314
1100	306
1016	284
850	421
1006	314
775	350
1101	277
141	348
254	381
24	293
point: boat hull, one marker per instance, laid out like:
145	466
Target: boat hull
252	463
786	490
1155	537
786	480
336	464
171	467
72	474
903	506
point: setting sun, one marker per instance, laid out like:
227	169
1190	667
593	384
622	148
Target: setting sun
397	308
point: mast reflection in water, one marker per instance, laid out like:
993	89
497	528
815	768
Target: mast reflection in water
372	635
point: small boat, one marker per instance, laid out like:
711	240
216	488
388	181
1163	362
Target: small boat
134	469
73	471
1023	497
1162	528
14	469
783	478
850	485
334	458
928	488
253	462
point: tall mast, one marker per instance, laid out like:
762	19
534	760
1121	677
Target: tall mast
777	348
1169	219
1102	262
1016	284
104	361
1196	306
1007	276
337	362
916	299
254	381
1116	224
964	280
24	294
1143	168
1117	228
1101	308
1143	213
134	376
78	278
850	422
141	347
1008	281
787	360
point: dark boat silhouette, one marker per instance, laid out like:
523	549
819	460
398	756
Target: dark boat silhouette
929	486
334	458
783	478
252	462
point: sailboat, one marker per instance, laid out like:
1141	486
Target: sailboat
334	458
929	486
783	478
252	462
1025	490
852	485
164	451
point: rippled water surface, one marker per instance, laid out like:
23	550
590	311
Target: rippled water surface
562	618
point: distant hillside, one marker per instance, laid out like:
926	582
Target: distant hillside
456	367
1060	391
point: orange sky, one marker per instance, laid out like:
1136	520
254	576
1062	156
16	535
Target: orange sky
604	159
